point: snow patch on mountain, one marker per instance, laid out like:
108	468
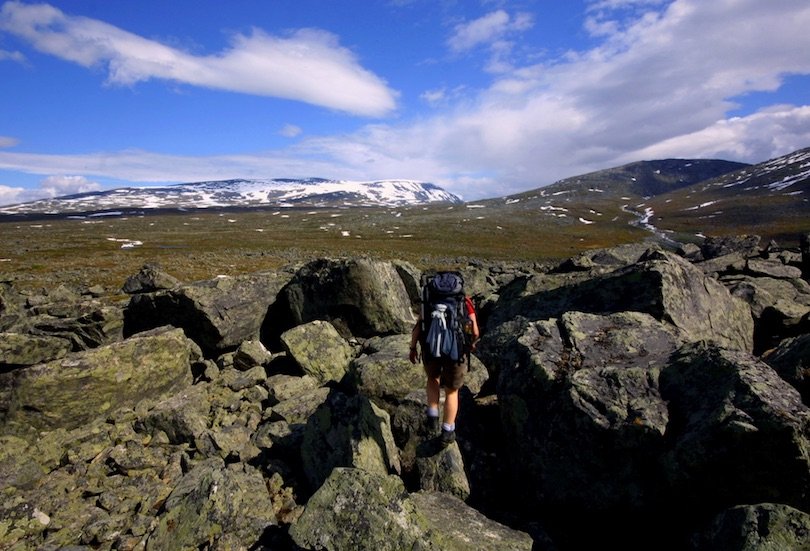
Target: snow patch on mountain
311	192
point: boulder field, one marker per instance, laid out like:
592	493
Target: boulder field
630	397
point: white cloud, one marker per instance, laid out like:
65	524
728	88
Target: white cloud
292	67
487	29
7	141
12	56
10	195
54	186
764	135
290	131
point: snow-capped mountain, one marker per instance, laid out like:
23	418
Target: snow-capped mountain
311	192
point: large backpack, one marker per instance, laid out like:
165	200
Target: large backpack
444	316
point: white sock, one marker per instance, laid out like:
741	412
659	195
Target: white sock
432	412
448	427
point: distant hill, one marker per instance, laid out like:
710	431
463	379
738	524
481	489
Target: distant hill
774	195
311	192
639	179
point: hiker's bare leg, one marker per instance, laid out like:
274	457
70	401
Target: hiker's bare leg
450	405
433	388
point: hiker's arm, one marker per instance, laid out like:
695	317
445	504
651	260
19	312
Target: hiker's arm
416	332
476	333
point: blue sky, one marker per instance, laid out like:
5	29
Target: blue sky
482	97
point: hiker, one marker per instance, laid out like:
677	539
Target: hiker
447	332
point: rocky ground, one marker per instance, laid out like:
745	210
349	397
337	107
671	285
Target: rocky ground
629	397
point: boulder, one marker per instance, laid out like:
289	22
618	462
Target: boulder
453	526
441	469
747	245
763	526
318	350
18	350
738	433
218	314
83	322
298	409
588	382
251	354
360	297
356	509
772	268
348	431
281	387
383	370
182	418
791	360
150	278
690	251
73	390
726	264
216	507
804	245
777	306
662	285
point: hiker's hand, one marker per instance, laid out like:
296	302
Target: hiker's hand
414	355
474	345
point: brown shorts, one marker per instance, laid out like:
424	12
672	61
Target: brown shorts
450	373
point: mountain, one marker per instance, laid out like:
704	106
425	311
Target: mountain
774	195
311	192
612	197
639	179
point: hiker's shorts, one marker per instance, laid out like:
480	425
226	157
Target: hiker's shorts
450	373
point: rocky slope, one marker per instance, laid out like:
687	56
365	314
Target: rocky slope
628	397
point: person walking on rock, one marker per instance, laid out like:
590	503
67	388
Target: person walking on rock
447	332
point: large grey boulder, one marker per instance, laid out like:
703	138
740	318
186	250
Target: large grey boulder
588	382
183	418
791	360
441	469
19	349
778	306
661	284
383	370
738	433
84	385
348	431
747	245
217	507
318	350
361	297
355	509
760	527
149	278
218	314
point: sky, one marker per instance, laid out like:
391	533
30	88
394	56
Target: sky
482	97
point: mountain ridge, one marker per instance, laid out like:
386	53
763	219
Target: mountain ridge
279	192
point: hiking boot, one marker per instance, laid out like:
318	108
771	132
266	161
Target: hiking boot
447	437
433	425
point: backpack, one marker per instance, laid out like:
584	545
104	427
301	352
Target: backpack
446	325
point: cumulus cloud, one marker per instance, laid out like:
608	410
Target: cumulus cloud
491	31
8	141
12	56
291	67
54	186
11	195
290	131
